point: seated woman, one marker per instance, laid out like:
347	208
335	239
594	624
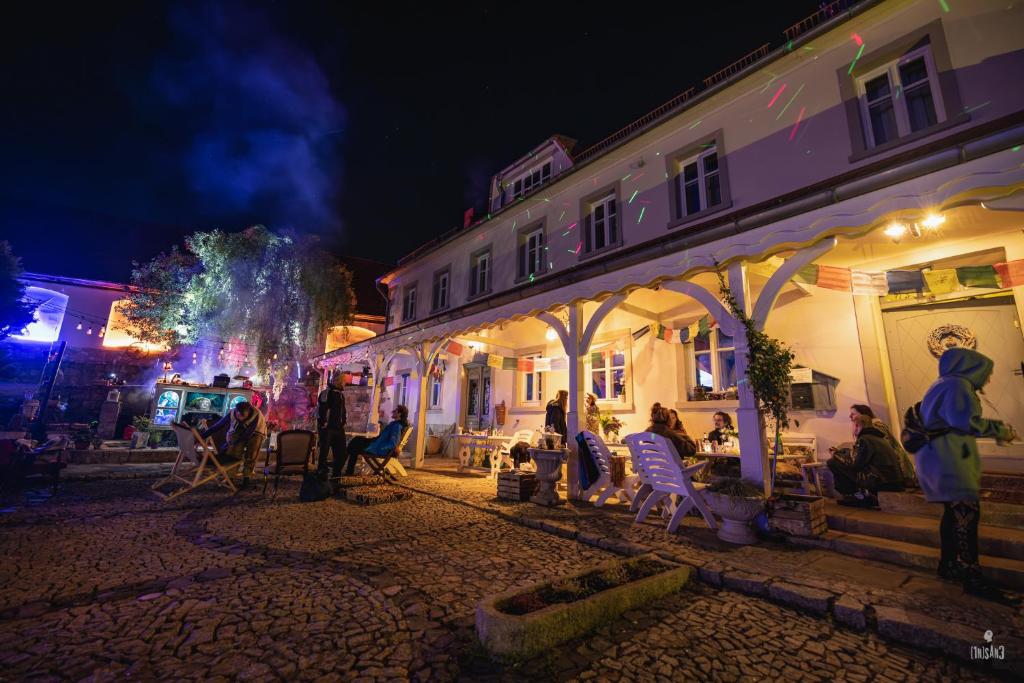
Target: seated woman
906	464
684	445
675	424
388	438
875	467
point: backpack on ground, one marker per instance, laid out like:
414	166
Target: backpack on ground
313	488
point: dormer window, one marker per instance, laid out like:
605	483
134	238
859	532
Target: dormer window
530	180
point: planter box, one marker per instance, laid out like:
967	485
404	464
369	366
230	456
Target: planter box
525	635
516	485
797	515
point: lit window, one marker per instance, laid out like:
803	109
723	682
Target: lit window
409	304
531	385
530	260
900	98
435	393
480	273
601	225
714	362
608	369
697	183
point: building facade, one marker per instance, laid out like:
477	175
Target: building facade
859	189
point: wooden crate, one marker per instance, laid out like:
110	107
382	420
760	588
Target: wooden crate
516	485
797	515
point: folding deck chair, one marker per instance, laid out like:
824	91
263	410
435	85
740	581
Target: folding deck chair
196	464
603	485
387	466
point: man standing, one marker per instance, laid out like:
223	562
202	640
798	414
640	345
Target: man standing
331	426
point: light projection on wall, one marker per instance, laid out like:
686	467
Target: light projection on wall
118	335
48	316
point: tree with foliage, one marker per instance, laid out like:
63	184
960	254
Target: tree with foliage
15	313
769	366
277	294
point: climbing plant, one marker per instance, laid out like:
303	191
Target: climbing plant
769	364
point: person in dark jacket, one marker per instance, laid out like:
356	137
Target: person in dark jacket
554	418
331	429
875	467
949	467
906	465
246	431
684	445
723	422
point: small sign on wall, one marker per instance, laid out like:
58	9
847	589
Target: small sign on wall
800	375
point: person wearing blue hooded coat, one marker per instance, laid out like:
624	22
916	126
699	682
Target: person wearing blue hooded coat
949	467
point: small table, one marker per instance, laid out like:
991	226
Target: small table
470	442
549	471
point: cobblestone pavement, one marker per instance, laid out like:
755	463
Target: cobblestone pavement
103	580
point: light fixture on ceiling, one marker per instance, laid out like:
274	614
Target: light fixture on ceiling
895	231
933	220
551	335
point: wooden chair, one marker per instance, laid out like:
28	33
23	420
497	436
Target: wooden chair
294	450
603	488
384	465
660	468
503	454
196	464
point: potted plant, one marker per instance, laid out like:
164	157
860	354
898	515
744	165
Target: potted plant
81	435
140	437
737	502
610	425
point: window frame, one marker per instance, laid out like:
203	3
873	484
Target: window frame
613	338
474	273
522	240
588	209
517	186
714	351
438	383
535	405
435	304
676	161
402	395
898	98
406	291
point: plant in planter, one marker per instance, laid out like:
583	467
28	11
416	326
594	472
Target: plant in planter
81	435
142	426
737	502
610	425
769	364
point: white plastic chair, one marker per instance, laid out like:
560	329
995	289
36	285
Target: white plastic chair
603	487
661	468
196	464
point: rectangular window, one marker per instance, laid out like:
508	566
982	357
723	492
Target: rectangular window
900	98
409	304
480	273
439	300
530	258
402	395
698	185
435	393
392	307
714	362
532	385
601	225
607	369
531	180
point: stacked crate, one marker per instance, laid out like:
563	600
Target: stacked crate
516	485
797	515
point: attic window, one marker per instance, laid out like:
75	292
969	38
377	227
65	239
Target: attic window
532	179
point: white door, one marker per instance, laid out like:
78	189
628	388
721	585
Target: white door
994	324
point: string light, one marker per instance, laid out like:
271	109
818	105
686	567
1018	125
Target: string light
195	356
89	331
103	331
79	325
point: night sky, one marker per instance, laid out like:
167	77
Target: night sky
125	126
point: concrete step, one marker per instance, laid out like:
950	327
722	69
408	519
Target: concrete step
919	530
993	512
1005	571
1003	488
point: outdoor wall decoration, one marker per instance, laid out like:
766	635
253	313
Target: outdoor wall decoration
935	281
949	336
682	335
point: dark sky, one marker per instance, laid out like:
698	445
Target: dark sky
125	126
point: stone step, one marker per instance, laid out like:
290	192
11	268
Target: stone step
1002	570
992	540
1005	488
993	513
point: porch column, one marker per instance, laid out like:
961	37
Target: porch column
378	368
576	374
753	463
420	430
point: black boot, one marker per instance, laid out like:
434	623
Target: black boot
951	571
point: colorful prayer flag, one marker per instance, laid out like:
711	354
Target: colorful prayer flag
524	364
454	348
703	327
389	381
693	329
977	276
905	281
1011	274
479	358
684	335
667	334
868	284
831	277
560	363
808	274
494	360
941	281
508	363
542	365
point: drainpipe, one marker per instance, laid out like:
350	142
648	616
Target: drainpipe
387	302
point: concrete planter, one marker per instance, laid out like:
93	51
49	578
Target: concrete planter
737	514
525	635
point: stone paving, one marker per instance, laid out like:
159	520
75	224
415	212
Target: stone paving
103	580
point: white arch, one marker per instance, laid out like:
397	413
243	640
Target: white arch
724	318
558	327
606	307
784	274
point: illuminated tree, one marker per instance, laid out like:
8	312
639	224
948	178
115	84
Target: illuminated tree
15	312
276	294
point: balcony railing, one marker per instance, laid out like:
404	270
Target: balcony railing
822	15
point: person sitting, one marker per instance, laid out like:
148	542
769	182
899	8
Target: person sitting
246	431
723	422
875	467
906	464
675	424
386	441
684	445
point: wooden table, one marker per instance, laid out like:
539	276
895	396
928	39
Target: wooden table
549	471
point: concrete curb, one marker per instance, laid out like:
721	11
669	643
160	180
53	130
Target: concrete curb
904	626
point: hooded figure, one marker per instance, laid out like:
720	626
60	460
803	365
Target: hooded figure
948	467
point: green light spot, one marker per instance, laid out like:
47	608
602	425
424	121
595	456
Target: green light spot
699	121
790	101
641	216
860	51
635	193
945	6
1016	149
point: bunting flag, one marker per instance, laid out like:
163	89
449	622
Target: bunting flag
693	330
667	334
479	358
1011	274
684	335
455	348
900	281
542	365
831	277
524	365
703	326
560	363
807	274
866	283
941	281
494	360
389	381
977	276
509	363
641	332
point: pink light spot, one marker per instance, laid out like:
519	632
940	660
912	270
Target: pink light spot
578	247
573	225
777	95
799	117
857	39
